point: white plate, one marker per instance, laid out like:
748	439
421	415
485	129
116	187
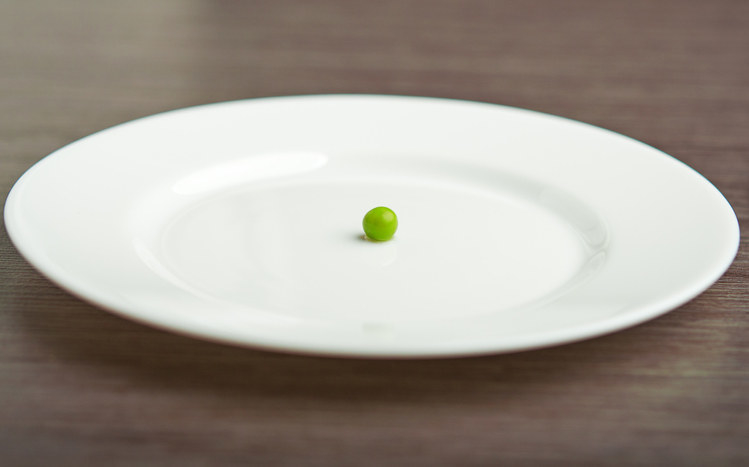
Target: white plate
241	223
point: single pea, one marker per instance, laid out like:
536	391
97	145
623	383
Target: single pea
380	223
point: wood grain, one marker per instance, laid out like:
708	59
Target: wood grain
79	386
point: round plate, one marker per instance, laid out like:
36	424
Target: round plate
240	222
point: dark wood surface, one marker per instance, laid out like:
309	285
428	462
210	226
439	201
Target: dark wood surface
79	386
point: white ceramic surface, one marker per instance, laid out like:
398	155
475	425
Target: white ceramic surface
241	223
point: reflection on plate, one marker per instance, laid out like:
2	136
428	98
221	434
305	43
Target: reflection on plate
241	223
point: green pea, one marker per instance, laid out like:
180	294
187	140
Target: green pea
380	223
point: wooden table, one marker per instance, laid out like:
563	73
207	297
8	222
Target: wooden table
79	386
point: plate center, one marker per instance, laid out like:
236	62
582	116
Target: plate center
297	249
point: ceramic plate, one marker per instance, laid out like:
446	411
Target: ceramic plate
240	222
